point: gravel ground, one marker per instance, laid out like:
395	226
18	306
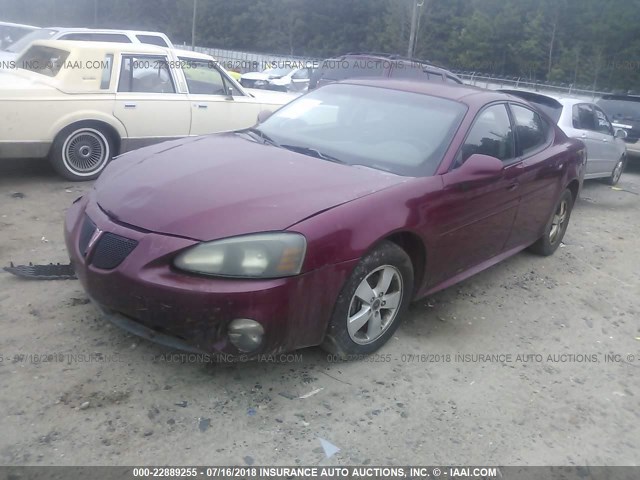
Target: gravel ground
426	398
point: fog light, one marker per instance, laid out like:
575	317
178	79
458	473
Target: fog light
245	334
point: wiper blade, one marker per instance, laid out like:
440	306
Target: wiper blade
312	152
266	138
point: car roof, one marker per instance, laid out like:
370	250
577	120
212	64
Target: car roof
392	57
461	93
113	47
102	30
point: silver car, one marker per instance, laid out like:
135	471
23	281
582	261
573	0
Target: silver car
584	120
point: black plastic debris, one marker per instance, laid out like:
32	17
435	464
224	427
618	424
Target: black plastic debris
204	424
42	272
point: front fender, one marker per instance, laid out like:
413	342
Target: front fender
346	232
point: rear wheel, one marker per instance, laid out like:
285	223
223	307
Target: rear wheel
556	226
80	152
371	303
617	171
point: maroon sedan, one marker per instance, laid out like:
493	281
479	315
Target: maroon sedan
321	224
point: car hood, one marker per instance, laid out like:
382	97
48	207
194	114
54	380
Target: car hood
270	97
258	76
224	185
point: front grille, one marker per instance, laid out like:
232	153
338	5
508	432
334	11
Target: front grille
86	232
111	250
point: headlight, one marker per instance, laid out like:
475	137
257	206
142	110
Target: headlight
264	255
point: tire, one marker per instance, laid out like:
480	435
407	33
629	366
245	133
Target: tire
381	308
556	226
617	171
80	152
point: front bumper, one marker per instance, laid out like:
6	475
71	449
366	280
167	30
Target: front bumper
633	149
145	293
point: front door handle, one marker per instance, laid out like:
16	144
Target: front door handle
202	105
605	140
513	187
584	135
129	105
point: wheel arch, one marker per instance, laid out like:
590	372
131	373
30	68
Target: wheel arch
574	188
109	129
414	246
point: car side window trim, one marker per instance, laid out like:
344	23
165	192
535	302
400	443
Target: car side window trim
510	161
149	60
107	70
549	133
226	79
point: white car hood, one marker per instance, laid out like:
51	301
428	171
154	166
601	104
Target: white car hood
271	96
256	76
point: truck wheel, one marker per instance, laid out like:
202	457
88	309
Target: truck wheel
80	152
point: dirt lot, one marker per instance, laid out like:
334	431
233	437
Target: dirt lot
417	402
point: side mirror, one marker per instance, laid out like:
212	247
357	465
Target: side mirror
263	115
480	166
230	94
620	133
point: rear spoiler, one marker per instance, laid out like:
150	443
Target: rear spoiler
549	106
534	97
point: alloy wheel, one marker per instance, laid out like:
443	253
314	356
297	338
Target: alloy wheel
617	172
559	220
375	304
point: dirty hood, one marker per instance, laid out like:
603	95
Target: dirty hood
223	185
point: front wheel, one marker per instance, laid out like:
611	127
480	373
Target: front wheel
371	303
556	226
81	152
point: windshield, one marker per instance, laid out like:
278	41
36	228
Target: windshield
400	132
278	72
24	42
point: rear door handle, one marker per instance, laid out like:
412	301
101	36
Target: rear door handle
202	105
129	105
605	140
513	187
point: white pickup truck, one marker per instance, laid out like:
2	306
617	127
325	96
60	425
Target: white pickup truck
81	103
